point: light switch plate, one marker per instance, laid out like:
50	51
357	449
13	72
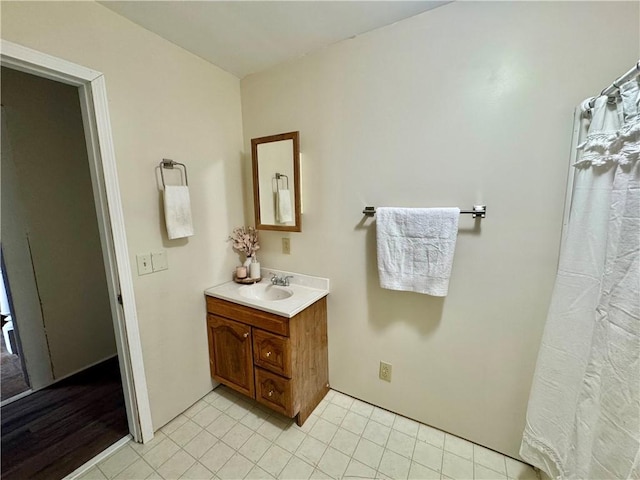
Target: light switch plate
159	260
144	263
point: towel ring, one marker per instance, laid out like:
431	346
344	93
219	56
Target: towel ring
278	177
170	164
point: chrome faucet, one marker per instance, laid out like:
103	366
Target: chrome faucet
281	281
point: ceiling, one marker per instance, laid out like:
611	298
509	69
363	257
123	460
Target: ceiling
244	37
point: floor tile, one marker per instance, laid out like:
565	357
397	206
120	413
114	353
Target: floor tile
342	400
334	414
420	472
309	424
489	458
406	426
323	430
394	465
354	423
258	473
206	415
271	428
221	425
344	441
383	417
428	455
217	456
142	448
343	438
311	450
296	469
173	425
459	446
185	433
483	473
137	470
166	449
376	432
176	465
237	467
290	440
520	471
274	460
238	410
431	435
254	419
255	447
361	408
197	472
401	443
236	437
456	467
200	444
368	453
333	463
195	408
116	463
357	469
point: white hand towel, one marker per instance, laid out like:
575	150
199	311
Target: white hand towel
415	248
284	212
177	211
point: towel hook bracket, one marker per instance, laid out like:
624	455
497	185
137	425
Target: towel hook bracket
170	164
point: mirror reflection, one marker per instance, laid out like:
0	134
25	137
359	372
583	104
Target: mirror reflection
276	182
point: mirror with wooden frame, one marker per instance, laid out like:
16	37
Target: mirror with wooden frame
276	182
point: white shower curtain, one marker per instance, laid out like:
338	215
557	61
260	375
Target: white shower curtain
583	418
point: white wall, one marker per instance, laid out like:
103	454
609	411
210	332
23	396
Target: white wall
163	102
469	103
50	154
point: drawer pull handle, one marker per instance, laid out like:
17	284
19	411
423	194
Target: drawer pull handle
271	393
246	335
268	354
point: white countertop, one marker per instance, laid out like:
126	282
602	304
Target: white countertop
306	291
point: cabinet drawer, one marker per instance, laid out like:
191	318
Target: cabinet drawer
250	316
272	352
275	392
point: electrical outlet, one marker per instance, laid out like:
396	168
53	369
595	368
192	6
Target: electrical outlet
385	371
286	246
144	263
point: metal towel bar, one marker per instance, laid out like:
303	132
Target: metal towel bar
168	163
478	211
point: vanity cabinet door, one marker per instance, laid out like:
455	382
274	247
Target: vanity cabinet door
231	354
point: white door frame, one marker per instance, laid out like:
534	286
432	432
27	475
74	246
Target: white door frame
104	178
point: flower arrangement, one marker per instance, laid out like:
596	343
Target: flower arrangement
245	240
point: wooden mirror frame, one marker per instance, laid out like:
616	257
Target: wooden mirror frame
294	136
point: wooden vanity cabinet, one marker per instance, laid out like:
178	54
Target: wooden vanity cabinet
281	362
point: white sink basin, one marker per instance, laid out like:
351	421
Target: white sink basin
265	292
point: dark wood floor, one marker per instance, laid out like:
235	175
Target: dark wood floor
50	433
12	381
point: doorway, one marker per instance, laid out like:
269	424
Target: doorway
91	89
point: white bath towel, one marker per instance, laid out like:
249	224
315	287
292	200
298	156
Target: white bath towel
284	212
177	211
415	248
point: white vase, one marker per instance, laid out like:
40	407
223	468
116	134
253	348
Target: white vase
247	262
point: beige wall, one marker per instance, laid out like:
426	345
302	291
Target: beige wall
163	102
50	155
468	103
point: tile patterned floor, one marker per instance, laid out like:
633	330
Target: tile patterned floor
226	436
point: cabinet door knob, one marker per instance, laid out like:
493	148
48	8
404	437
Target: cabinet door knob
271	393
246	335
268	354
